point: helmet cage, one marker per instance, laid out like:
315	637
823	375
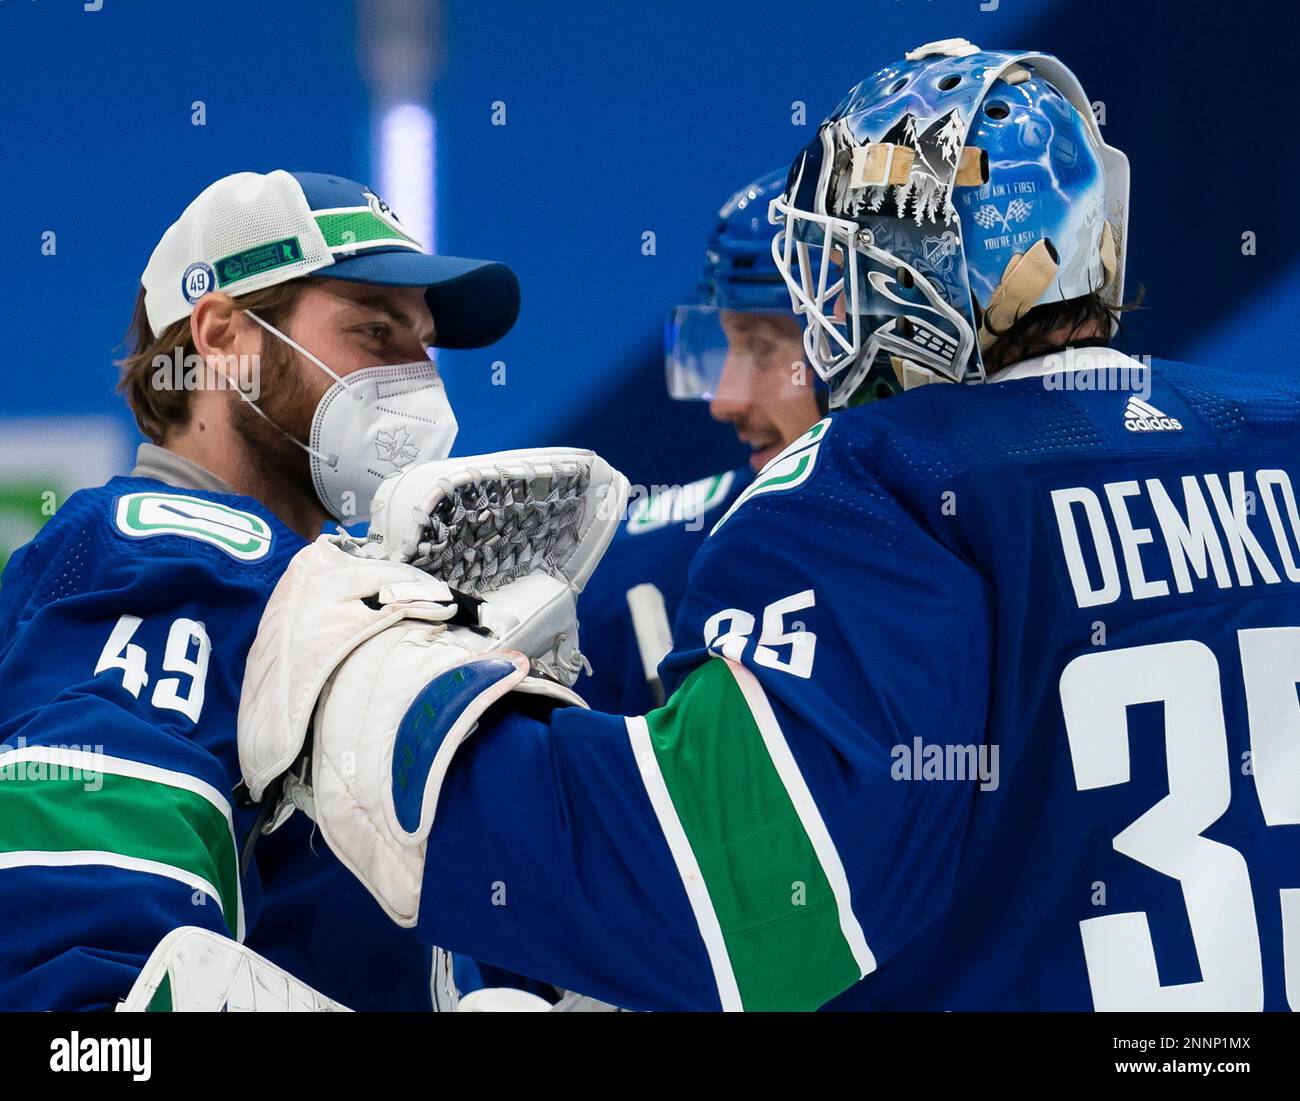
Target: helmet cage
924	329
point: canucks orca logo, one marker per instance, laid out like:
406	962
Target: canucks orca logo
788	471
242	535
385	213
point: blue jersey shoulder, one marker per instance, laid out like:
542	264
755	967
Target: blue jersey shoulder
923	448
131	528
1130	409
132	517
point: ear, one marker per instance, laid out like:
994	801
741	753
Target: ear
221	329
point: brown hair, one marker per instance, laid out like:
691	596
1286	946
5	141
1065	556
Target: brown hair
159	411
1039	331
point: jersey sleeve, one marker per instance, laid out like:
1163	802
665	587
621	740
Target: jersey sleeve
771	834
120	667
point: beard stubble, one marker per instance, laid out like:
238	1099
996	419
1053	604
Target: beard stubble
271	442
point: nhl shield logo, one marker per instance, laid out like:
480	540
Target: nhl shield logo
939	251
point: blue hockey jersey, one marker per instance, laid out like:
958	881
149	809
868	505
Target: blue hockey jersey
983	698
654	547
124	629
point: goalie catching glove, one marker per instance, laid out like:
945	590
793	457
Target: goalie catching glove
462	593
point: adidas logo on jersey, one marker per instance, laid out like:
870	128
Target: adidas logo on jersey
1142	416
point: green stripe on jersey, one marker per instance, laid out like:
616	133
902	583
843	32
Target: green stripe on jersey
775	907
128	816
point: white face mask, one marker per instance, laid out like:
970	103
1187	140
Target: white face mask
369	424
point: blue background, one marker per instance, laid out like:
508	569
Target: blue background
622	119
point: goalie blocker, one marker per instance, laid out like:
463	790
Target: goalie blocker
374	660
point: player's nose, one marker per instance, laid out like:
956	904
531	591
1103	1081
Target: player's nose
731	399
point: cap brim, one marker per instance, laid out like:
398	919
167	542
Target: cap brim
474	302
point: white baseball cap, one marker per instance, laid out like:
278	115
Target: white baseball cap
248	231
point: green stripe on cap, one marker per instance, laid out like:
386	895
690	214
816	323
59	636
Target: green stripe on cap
345	228
779	917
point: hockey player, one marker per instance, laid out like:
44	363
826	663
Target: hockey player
124	625
741	350
983	697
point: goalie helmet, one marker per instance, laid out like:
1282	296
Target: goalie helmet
947	195
739	274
